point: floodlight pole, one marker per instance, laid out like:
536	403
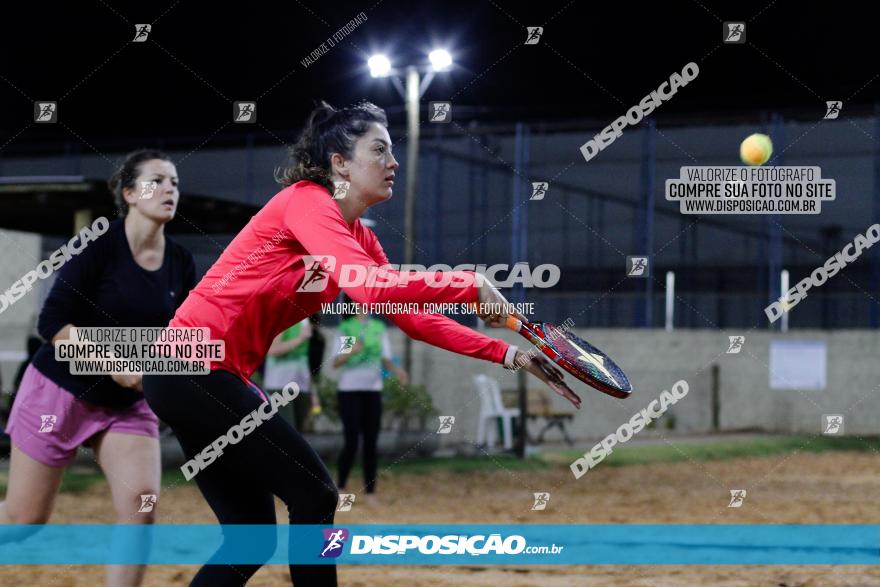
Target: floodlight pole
411	93
412	161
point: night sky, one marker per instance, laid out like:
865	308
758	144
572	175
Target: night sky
593	61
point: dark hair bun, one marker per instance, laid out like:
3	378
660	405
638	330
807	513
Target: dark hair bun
327	131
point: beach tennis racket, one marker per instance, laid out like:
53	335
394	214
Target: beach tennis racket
575	355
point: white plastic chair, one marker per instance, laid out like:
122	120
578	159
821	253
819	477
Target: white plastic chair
491	408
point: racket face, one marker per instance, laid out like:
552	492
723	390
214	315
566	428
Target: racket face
583	360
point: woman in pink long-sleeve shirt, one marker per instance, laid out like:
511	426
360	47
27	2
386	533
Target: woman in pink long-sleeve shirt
289	259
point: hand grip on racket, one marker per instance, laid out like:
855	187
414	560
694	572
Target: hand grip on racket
573	354
537	365
542	368
492	307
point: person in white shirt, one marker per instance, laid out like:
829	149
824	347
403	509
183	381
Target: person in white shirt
363	348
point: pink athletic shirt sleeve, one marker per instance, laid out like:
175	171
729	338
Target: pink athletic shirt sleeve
289	259
439	330
326	234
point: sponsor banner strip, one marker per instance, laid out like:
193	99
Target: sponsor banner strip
472	544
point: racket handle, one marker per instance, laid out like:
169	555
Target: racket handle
512	321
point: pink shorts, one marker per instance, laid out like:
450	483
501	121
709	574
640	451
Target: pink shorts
48	424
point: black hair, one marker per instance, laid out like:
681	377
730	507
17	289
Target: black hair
347	303
327	131
128	171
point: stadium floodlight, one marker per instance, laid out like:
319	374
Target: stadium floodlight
441	60
380	66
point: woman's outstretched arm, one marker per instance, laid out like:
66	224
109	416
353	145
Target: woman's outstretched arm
317	223
443	332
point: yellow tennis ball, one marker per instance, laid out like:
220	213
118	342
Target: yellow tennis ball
756	149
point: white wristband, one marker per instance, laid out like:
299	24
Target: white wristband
510	356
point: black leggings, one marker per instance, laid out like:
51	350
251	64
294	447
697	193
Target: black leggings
273	460
361	413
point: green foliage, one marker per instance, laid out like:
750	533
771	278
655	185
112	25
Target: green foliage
405	403
327	396
72	482
468	464
722	449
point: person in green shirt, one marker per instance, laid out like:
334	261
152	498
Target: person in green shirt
363	348
288	362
